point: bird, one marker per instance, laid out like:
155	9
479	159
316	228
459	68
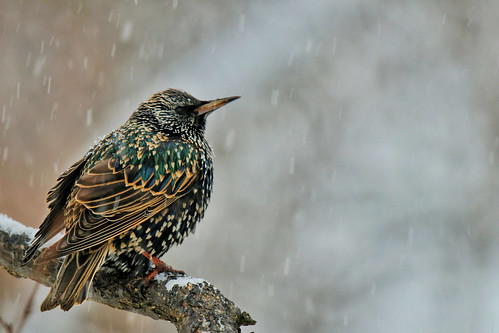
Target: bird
137	192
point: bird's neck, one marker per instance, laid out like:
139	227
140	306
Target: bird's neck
146	129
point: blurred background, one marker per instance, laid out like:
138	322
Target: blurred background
356	180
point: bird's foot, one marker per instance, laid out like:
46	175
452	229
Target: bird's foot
160	266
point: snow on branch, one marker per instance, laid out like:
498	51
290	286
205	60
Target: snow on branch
191	304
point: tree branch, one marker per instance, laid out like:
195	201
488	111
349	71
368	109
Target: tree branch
191	304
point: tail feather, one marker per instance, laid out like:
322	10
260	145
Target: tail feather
53	223
75	278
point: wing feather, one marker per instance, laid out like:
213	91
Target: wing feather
57	198
118	196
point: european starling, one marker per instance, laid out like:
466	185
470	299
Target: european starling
137	192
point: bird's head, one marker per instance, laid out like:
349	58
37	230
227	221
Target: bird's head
178	113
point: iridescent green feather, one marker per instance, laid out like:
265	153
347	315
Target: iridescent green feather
170	157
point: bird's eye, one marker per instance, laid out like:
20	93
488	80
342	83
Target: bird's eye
184	110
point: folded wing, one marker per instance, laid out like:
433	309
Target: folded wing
120	193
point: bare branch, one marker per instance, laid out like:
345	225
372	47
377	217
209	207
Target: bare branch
191	304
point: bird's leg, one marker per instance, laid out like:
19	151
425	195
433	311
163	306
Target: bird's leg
160	266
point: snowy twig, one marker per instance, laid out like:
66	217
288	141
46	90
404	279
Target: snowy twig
191	304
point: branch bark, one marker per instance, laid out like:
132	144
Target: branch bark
191	304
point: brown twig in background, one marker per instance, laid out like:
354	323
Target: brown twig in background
191	304
8	327
28	309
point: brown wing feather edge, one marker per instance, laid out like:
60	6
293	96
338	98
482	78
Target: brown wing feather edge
110	214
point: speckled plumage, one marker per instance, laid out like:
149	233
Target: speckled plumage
143	187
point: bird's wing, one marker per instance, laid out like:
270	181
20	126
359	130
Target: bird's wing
121	193
57	197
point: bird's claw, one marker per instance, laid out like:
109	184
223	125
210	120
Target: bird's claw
160	266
